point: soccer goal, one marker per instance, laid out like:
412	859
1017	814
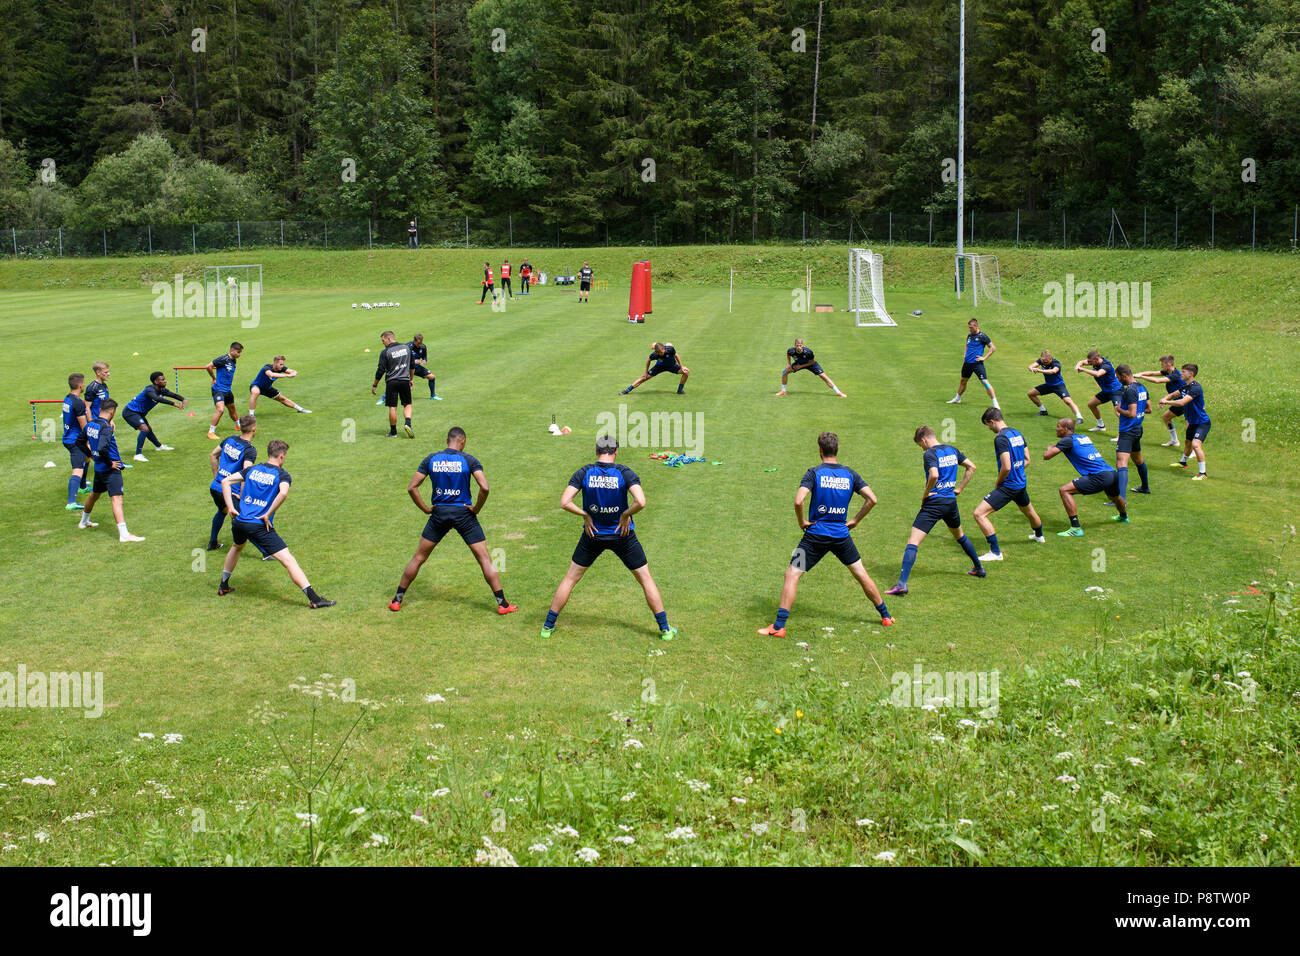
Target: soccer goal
752	285
220	280
985	278
867	289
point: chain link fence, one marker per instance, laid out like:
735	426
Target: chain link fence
1145	227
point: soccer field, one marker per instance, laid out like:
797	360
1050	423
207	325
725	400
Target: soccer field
177	659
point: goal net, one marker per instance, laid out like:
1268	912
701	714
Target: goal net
756	285
984	278
867	288
220	281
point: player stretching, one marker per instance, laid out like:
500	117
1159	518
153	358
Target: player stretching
487	283
1053	384
395	369
136	413
1011	484
607	526
1172	380
976	345
449	508
222	372
1191	399
264	488
801	357
938	502
665	359
505	279
101	446
75	420
419	365
264	384
525	276
1099	367
832	487
227	459
1094	475
1133	404
584	283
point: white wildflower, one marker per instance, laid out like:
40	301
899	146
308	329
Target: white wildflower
493	855
587	855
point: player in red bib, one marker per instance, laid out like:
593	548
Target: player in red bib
525	276
505	279
487	283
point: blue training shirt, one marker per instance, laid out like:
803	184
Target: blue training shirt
1110	381
225	371
1194	411
833	487
1013	443
261	486
450	471
262	381
1083	454
1054	377
1135	394
604	487
975	345
102	438
236	452
73	407
96	392
946	458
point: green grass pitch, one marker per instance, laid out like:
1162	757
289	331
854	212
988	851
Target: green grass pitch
178	659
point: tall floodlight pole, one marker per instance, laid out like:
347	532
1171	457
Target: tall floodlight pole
961	145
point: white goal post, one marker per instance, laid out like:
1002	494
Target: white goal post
984	275
867	289
756	277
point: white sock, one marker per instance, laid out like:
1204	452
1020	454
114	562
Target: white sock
121	529
1100	423
1183	459
1201	465
1173	435
85	519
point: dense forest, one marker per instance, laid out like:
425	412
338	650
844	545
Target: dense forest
710	117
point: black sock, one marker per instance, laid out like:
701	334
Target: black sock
432	386
401	593
392	429
501	598
1038	532
408	422
1074	521
217	521
153	438
225	578
312	596
1123	513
